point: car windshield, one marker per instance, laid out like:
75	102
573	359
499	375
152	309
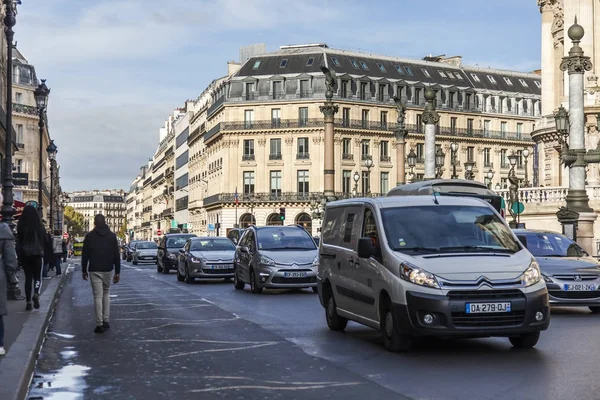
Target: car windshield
212	245
146	245
550	245
177	242
447	229
284	238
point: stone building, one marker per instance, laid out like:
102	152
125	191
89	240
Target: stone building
110	203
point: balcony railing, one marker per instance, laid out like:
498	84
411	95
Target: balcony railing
215	106
302	156
384	158
347	156
25	109
146	224
275	156
248	157
365	157
285	197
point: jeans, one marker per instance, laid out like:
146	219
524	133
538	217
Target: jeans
101	288
58	258
45	269
32	266
1	332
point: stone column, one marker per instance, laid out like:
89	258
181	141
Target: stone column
430	119
585	231
329	110
546	8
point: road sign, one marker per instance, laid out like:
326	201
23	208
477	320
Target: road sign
158	232
65	235
32	203
211	227
518	207
20	179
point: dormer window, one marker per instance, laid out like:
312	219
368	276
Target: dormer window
425	72
310	61
492	79
283	63
409	71
256	65
381	67
538	84
508	81
475	78
523	83
364	65
443	75
336	61
399	69
458	76
354	64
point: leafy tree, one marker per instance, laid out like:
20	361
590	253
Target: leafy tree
75	221
122	234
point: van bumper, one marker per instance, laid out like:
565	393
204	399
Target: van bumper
450	319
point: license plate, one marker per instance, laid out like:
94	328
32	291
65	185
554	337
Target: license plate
579	287
476	308
222	266
295	274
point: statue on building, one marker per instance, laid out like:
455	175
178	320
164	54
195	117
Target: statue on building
592	141
401	107
330	82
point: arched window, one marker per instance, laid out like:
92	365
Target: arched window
246	220
304	220
274	219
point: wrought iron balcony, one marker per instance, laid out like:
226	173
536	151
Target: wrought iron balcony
216	106
385	158
347	156
366	157
302	156
248	157
245	198
146	224
275	156
25	109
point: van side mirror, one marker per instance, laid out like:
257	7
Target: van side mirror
244	249
523	240
365	248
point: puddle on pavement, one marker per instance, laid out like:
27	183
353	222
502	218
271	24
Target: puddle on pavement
68	383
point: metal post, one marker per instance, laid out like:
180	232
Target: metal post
454	175
401	134
51	194
430	119
40	169
329	110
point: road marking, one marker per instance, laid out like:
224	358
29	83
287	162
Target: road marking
254	346
274	388
166	309
207	321
199	341
273	382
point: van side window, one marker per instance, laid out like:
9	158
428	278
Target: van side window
250	241
370	231
330	232
348	225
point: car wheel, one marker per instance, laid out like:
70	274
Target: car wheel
525	341
315	289
188	278
180	277
595	310
237	282
254	286
393	339
334	321
128	259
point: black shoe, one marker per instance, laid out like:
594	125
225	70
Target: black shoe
99	329
36	301
29	306
105	325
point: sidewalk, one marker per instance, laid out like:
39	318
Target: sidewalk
24	333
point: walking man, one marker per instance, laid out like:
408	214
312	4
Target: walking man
100	256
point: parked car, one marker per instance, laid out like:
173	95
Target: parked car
275	257
235	235
571	274
207	257
144	252
418	266
129	250
168	251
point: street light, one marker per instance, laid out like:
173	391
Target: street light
369	164
513	190
469	170
498	186
489	176
454	150
525	153
440	158
412	161
356	178
561	120
41	98
52	150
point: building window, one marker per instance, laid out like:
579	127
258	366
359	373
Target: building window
278	90
346	117
346	181
443	75
249	182
504	158
303	116
538	84
344	89
302	149
419	123
354	64
364	65
275	149
346	149
303	181
468	102
365	118
420	153
470	126
304	88
363	90
276	117
19	165
409	71
381	93
508	81
453	122
399	69
248	150
383	117
520	130
487	158
365	149
283	63
503	128
475	77
417	96
426	73
310	61
384	150
276	183
365	182
18	97
256	65
384	182
381	67
248	119
471	153
523	83
519	154
336	61
19	137
492	79
486	127
249	91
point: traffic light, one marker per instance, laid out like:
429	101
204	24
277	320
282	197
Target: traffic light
282	214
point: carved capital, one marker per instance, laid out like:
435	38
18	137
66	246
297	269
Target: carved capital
376	143
337	140
401	134
430	117
546	5
318	139
262	142
289	141
329	110
576	64
357	141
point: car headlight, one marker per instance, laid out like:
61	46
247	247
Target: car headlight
532	275
418	276
197	260
315	262
264	260
171	255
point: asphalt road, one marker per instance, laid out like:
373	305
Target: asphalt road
206	340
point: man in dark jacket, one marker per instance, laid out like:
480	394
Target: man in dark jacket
100	256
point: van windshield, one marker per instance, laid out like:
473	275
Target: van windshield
446	229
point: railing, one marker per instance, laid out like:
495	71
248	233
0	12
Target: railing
385	158
248	157
261	197
25	109
275	156
213	131
167	212
215	106
146	224
365	157
302	156
347	156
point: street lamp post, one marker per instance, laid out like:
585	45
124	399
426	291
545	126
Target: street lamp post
356	178
440	158
369	164
525	153
513	190
8	210
489	176
469	170
412	162
41	98
52	150
453	151
329	110
401	134
430	118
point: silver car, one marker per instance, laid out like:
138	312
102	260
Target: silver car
207	257
276	257
144	252
572	276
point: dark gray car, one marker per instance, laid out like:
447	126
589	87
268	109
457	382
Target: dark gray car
276	257
572	276
144	252
207	257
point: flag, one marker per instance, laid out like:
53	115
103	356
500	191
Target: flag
237	200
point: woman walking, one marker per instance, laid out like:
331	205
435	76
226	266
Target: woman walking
8	269
30	249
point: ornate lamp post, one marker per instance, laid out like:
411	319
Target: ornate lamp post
525	153
498	187
412	162
440	158
513	190
356	178
453	151
41	98
469	170
369	164
329	110
430	119
401	134
52	150
488	178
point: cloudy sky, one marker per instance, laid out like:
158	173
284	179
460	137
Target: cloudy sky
118	67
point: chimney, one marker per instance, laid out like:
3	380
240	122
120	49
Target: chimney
233	67
454	60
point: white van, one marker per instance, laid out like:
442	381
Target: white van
415	266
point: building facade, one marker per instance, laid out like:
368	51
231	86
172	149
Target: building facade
110	203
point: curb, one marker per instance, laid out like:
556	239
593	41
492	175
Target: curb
19	362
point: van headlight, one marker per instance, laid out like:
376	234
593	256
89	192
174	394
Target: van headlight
315	262
264	260
418	276
532	275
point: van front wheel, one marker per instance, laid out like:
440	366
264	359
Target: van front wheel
393	339
334	321
526	341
